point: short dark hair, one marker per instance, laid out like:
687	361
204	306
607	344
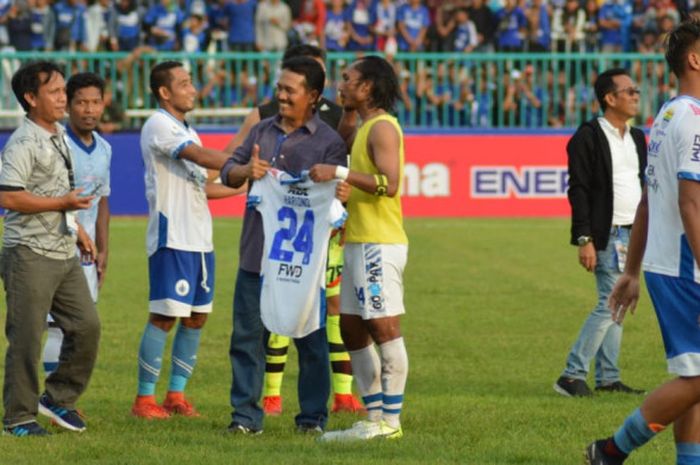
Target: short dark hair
604	84
678	42
161	77
27	79
304	50
83	80
314	76
385	85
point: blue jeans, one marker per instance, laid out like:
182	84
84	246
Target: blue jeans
600	336
247	353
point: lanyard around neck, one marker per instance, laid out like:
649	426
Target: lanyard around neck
60	145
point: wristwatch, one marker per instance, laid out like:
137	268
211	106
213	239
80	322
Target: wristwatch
583	240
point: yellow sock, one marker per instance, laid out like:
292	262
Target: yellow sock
341	376
275	360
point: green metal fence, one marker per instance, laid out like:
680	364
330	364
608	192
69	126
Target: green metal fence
440	91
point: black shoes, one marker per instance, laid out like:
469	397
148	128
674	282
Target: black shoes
237	428
309	428
571	387
595	454
31	428
619	386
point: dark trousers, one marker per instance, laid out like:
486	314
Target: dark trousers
247	352
33	285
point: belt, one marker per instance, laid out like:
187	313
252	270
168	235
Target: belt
623	226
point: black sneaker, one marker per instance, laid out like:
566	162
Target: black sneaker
619	386
571	387
68	419
25	429
595	454
309	428
237	428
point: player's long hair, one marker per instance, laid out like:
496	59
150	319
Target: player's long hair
385	85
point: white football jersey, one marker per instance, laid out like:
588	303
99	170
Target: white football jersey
673	154
297	215
178	213
91	166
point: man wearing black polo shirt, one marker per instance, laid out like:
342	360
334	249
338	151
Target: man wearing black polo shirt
607	158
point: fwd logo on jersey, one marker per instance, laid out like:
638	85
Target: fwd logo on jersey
288	271
520	182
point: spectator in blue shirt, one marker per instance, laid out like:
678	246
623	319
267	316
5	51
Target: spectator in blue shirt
70	25
538	26
19	25
358	21
163	23
5	7
194	36
611	18
218	23
241	25
383	19
127	25
335	36
43	26
465	36
512	24
413	21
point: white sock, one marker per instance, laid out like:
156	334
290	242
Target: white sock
366	368
52	349
394	374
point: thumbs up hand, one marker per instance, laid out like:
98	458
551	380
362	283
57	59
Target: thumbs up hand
257	168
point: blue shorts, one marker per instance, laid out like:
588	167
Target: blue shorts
677	305
181	282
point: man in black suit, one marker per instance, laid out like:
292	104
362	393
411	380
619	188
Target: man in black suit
607	158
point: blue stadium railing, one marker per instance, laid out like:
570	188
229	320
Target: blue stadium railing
453	91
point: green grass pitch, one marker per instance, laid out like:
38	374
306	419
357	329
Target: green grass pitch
493	307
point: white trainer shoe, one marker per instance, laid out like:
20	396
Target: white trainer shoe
363	431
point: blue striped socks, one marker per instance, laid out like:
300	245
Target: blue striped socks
150	359
687	453
634	433
366	368
185	347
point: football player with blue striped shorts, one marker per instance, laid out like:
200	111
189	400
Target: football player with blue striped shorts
666	242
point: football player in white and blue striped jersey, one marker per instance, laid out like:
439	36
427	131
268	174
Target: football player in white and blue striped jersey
666	233
179	239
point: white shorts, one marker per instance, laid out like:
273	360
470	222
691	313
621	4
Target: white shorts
373	280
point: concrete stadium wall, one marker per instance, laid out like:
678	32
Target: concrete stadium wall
499	174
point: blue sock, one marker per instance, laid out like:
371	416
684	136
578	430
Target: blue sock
633	433
687	453
185	349
150	359
373	404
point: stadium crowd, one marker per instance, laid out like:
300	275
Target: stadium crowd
341	25
449	93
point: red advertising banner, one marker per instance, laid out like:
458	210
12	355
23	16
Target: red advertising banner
469	176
